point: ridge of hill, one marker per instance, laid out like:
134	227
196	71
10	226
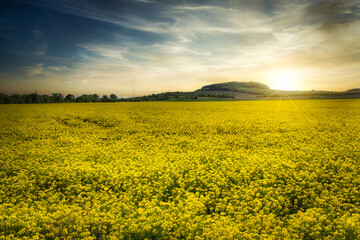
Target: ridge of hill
244	90
235	86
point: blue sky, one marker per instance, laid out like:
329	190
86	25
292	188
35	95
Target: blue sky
138	47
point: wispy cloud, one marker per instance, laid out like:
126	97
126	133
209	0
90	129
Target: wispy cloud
41	50
57	68
166	44
333	14
35	70
37	33
211	45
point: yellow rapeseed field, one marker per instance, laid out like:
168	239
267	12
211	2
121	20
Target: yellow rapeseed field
181	170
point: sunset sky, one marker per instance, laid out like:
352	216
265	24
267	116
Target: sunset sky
138	47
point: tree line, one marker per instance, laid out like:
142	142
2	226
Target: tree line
59	98
54	98
178	96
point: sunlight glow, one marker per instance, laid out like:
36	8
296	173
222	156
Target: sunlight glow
283	79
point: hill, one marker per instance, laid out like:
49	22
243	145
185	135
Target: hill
243	87
354	90
244	91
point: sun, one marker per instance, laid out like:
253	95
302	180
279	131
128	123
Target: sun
282	79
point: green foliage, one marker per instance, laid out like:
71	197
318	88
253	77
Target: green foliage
178	96
236	86
54	98
70	98
354	90
113	97
181	170
30	98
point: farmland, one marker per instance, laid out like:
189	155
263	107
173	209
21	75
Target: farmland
181	170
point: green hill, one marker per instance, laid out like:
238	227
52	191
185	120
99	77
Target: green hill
354	90
245	87
233	86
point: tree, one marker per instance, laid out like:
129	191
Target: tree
27	98
113	96
95	97
46	99
2	98
80	99
6	99
105	98
57	97
87	98
18	98
70	98
35	98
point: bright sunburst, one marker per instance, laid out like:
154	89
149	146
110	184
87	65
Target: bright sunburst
282	79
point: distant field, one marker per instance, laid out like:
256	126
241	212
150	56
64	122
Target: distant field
181	170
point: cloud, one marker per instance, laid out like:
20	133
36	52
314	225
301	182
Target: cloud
128	14
207	42
331	14
37	33
41	50
166	44
35	70
169	17
57	68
